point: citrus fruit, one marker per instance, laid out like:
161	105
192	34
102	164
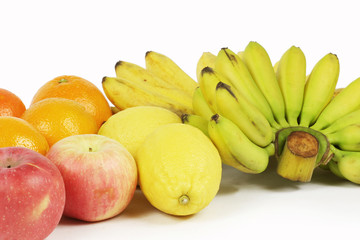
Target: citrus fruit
130	126
57	118
16	132
79	90
179	169
10	104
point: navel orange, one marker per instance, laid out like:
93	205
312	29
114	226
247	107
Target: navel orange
16	132
80	90
57	118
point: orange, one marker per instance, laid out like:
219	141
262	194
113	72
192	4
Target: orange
16	132
80	90
57	118
10	104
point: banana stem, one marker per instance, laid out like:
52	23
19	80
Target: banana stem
298	159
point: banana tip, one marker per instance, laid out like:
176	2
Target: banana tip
148	52
215	117
184	117
207	70
118	63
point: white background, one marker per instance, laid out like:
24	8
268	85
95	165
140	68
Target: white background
41	40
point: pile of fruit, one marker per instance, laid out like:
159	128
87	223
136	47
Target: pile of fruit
72	154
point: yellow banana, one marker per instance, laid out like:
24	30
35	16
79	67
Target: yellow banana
124	94
235	148
129	72
166	69
348	164
347	138
208	81
241	55
319	88
245	115
134	72
207	59
291	75
259	64
230	65
196	121
200	105
347	101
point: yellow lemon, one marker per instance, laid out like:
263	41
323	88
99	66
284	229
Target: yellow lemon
131	126
179	169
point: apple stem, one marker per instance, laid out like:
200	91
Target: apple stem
8	166
90	149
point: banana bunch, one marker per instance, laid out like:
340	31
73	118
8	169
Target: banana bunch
162	83
252	110
236	112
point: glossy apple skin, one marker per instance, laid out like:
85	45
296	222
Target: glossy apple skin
100	176
32	194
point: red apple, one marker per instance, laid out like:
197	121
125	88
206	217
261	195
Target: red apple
32	194
100	176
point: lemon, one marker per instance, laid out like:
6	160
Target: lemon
179	169
131	126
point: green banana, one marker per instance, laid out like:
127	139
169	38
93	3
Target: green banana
124	94
166	69
245	115
235	148
259	64
347	120
345	102
200	105
319	88
348	164
334	168
291	75
347	138
196	121
235	71
207	59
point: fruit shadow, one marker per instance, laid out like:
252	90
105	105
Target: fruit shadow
141	207
67	221
234	180
325	177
